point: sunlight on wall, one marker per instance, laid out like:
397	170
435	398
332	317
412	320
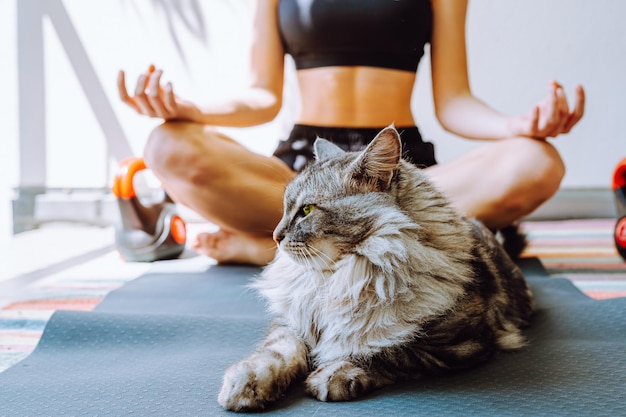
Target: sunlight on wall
8	116
76	147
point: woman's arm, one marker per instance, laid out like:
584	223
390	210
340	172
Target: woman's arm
258	103
461	113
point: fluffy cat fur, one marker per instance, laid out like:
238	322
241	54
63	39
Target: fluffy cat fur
377	279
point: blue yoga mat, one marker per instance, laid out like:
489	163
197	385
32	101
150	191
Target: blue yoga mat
159	347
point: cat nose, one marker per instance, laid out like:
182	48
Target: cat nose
277	238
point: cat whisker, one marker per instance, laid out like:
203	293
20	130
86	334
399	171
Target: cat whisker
309	255
322	256
300	254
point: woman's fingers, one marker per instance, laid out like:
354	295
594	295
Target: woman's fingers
568	119
534	122
557	118
170	99
156	96
550	118
149	97
121	88
140	95
579	110
562	114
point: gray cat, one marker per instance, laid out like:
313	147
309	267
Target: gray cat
377	279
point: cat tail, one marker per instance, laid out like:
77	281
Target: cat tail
513	240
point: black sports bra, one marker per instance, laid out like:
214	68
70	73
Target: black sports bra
378	33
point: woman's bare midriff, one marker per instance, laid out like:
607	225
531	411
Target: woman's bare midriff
355	96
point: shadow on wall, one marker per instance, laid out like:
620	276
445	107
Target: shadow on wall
187	12
183	15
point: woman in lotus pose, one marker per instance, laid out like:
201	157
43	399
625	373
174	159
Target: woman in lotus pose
356	64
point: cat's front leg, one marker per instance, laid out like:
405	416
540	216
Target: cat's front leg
264	376
342	380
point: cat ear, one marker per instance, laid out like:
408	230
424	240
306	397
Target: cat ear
325	149
378	163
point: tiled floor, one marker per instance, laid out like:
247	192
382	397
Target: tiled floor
68	267
37	258
30	257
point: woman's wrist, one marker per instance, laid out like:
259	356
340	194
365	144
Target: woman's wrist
188	111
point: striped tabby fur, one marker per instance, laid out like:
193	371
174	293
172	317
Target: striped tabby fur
377	279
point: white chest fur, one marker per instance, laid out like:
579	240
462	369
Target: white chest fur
356	309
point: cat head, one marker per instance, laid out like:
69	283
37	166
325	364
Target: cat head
374	167
334	203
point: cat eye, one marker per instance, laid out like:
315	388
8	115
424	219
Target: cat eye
307	209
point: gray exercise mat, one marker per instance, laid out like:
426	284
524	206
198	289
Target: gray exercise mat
159	346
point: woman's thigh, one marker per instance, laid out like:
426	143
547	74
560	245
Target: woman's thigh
501	181
229	185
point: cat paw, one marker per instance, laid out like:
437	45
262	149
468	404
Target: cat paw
246	388
338	381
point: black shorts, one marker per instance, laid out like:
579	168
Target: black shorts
297	150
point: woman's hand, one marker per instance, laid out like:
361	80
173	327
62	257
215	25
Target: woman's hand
551	117
150	97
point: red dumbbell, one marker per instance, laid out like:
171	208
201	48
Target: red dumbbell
619	191
145	233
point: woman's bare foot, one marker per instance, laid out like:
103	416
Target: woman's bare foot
228	247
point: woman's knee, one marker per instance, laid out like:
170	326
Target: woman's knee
541	166
535	170
181	150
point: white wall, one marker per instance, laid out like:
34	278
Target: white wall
8	114
515	49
